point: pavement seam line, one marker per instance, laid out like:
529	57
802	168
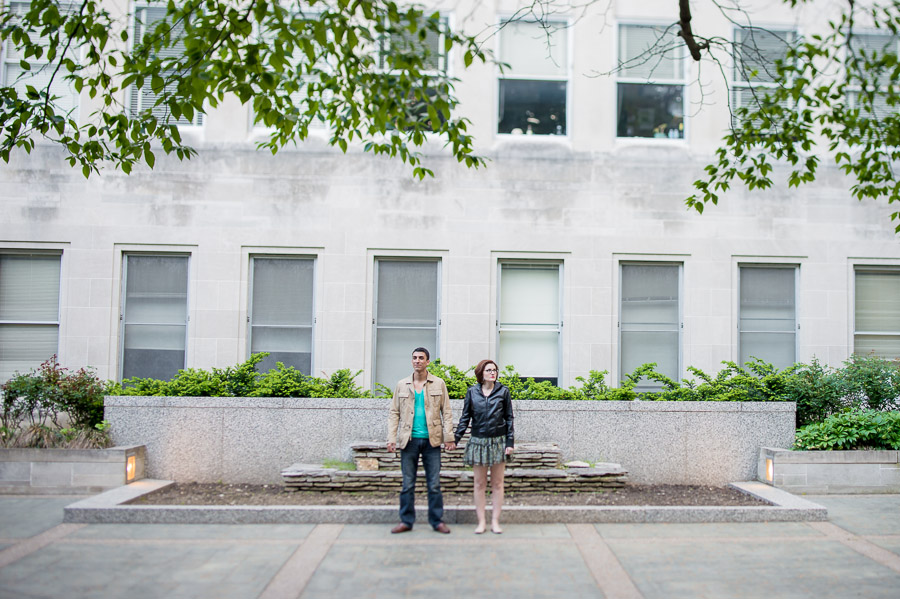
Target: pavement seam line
294	575
859	544
603	564
30	545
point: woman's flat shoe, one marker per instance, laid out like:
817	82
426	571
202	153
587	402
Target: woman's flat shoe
496	531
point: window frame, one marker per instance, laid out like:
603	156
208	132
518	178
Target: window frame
683	82
436	350
499	325
736	85
248	342
796	304
123	286
622	263
57	323
870	267
564	23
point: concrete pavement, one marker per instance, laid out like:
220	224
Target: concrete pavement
854	554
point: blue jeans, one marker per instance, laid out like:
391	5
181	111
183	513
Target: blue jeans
409	463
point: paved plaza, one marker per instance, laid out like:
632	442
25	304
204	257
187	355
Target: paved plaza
855	554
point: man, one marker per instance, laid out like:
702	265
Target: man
420	423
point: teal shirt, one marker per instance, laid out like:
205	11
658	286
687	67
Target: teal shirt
420	427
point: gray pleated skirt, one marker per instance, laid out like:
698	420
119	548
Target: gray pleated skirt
485	451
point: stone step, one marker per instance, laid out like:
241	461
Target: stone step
534	456
314	477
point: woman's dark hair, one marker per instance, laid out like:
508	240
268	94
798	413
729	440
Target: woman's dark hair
479	370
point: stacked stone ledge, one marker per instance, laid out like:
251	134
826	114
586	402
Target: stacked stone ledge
534	468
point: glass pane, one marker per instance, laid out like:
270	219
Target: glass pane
776	348
291	346
532	107
647	110
533	354
407	293
755	53
23	347
29	288
154	336
393	351
529	295
153	351
650	52
877	306
533	49
436	60
645	347
65	98
282	291
156	289
886	346
767	294
649	294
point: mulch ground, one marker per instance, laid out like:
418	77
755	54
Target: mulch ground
631	494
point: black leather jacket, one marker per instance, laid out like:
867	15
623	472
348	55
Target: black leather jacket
490	416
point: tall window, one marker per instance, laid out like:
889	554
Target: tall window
871	49
755	54
29	311
767	320
530	319
435	60
651	82
533	89
650	319
877	312
146	19
154	316
406	315
281	311
13	75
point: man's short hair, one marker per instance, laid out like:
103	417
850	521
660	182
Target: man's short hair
424	351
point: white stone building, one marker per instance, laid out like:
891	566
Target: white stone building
572	251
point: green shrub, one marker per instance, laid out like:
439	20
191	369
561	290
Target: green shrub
871	382
853	429
818	391
34	403
244	380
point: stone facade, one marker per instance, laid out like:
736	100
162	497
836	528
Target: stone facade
68	471
826	472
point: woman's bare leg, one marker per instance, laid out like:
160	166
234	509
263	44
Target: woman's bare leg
497	473
480	484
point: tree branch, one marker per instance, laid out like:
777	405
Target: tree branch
684	19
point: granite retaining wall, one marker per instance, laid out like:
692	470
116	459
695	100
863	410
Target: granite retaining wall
207	439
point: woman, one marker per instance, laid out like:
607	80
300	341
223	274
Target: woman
489	408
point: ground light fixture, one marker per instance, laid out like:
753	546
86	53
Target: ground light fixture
130	468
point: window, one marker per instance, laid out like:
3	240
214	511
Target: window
767	315
530	319
146	19
533	89
650	319
877	312
436	59
651	83
755	54
29	311
13	75
406	315
866	46
281	311
154	316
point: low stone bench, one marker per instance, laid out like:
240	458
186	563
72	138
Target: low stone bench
375	456
314	477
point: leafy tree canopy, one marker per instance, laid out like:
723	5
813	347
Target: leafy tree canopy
368	69
837	90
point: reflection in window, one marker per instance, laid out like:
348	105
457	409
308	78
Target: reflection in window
650	83
533	89
768	315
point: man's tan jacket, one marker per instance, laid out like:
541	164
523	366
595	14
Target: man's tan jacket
437	412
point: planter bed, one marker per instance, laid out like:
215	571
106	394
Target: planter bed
67	471
825	472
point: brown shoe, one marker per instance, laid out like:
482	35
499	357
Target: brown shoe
442	528
402	528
